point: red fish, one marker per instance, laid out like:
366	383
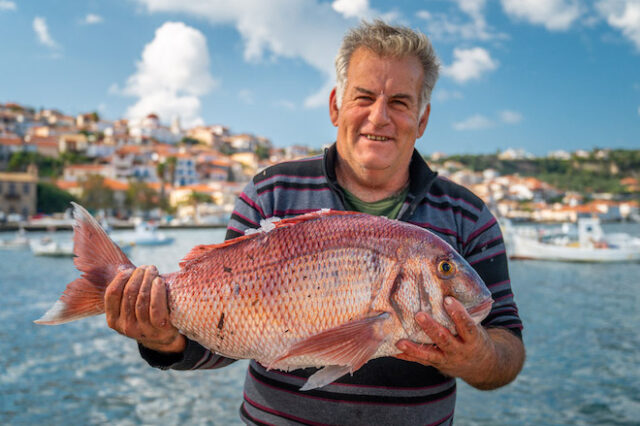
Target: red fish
327	289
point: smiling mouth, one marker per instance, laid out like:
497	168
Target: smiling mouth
376	138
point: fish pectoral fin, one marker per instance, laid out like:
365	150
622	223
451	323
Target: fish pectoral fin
324	376
349	345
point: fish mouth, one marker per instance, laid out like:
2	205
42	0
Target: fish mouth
481	310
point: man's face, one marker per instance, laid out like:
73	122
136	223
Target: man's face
378	121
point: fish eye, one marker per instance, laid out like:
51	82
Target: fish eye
446	268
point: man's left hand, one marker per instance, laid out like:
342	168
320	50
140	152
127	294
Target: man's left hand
476	355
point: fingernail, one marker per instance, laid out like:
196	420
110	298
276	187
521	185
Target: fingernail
421	317
402	346
448	300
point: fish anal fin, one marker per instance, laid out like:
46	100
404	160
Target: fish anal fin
324	376
349	345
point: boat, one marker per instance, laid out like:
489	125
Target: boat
586	243
144	234
19	241
47	246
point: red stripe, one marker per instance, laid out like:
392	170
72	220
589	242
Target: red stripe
481	230
249	201
349	385
245	218
487	257
246	412
304	395
280	413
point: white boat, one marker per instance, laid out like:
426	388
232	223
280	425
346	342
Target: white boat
144	234
588	244
47	246
19	241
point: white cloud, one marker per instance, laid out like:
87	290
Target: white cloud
351	8
555	15
92	18
171	76
42	32
8	5
469	64
307	29
448	26
623	15
510	117
475	122
445	95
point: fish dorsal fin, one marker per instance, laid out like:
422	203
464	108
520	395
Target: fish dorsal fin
201	250
266	225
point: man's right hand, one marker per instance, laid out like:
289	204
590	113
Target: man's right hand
136	306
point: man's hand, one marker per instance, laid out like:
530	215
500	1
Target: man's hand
484	358
136	306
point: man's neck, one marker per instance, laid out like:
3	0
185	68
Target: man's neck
371	185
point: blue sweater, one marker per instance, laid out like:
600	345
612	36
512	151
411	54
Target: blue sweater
385	390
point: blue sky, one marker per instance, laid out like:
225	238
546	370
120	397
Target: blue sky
540	75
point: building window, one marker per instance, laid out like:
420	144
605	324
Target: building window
12	188
25	188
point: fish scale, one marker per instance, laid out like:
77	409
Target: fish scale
326	289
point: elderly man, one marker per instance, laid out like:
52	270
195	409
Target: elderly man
380	106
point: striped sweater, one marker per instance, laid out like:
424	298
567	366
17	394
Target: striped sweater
385	390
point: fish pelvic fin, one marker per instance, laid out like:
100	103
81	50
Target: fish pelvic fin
344	349
99	259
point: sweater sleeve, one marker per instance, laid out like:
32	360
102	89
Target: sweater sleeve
484	249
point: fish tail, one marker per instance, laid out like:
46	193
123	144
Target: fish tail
99	259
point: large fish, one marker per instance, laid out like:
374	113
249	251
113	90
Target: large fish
327	289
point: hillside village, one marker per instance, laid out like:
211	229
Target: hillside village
143	168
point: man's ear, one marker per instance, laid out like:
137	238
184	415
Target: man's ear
422	124
334	111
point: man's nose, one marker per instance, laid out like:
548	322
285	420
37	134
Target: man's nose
379	114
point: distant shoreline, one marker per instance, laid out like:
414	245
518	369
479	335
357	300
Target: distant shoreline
67	227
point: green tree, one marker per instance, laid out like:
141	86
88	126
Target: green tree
141	196
96	194
52	199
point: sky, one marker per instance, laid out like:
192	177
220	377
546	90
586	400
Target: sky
537	75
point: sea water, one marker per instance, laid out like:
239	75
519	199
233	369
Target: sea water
582	335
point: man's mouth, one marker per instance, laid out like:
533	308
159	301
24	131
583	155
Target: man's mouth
376	138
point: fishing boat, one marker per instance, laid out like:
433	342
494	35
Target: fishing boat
144	234
19	241
587	243
47	246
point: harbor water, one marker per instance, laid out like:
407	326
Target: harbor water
582	335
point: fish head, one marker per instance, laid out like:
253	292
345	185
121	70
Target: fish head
443	272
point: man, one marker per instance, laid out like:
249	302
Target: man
380	107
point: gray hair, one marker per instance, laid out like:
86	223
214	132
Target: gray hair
387	40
